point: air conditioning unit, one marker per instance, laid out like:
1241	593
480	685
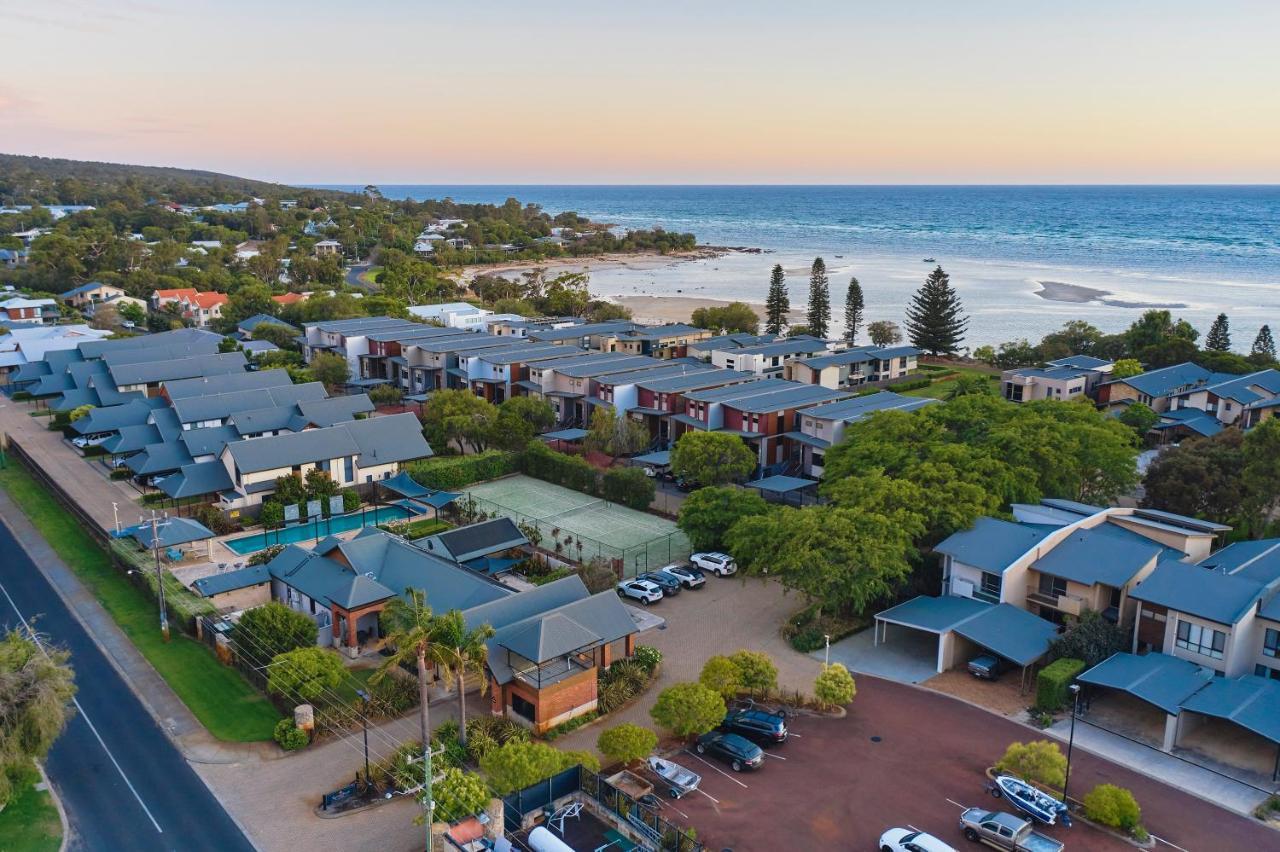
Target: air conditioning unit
963	588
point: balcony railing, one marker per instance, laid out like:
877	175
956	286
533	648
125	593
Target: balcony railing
1069	604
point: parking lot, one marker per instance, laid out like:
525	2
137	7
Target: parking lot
908	757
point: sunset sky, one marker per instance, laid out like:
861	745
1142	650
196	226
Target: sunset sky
698	91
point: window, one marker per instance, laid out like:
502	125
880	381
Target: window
1201	640
522	707
348	469
1053	586
1264	671
991	585
1271	643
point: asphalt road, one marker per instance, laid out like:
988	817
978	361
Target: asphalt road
122	782
353	275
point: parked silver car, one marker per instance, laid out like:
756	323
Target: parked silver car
720	564
641	590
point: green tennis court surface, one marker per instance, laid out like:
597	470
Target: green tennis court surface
642	541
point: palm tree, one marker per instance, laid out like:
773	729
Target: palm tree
413	631
967	385
466	651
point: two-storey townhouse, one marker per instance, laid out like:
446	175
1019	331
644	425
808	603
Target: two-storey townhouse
569	386
463	316
88	294
702	349
662	341
822	426
349	337
658	399
1155	388
20	309
620	390
385	357
600	336
855	367
496	374
353	454
1229	400
770	359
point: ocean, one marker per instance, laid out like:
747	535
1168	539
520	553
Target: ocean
1196	250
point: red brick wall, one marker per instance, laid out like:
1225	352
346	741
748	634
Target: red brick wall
566	695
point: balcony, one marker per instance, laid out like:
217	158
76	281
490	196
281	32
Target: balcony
1069	604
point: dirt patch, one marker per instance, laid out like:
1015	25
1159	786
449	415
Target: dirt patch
1001	696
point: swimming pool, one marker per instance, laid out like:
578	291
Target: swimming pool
323	527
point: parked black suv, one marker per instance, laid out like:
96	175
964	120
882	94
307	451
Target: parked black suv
732	749
670	585
757	725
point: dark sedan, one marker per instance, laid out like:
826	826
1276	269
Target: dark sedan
739	752
670	585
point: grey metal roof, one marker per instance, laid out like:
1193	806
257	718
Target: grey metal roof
227	383
159	458
573	434
194	480
1082	509
114	417
660	332
936	615
180	368
132	439
1197	524
468	542
715	377
591	369
659	459
205	442
794	346
1010	632
377	440
1157	679
544	638
1084	362
782	484
852	410
1198	591
230	581
740	391
250	323
170	532
661	370
333	410
992	544
810	440
1250	701
216	406
577	331
1092	556
1168	380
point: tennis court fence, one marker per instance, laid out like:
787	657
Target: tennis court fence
557	534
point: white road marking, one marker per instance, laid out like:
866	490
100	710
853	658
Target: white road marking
708	795
774	756
1167	843
85	715
697	756
958	805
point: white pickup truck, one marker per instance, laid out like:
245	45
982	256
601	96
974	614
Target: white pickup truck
1005	831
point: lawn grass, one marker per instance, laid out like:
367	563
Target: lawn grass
356	679
30	822
940	389
219	696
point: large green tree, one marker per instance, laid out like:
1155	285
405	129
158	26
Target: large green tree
884	333
1264	345
1262	475
818	317
1219	337
853	307
519	764
936	321
843	561
708	513
305	674
458	418
1200	478
778	304
730	318
614	434
463	651
712	458
688	709
331	369
36	689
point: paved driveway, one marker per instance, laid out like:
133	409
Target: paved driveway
906	756
909	656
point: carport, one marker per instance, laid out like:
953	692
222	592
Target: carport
1157	680
962	624
1250	703
783	487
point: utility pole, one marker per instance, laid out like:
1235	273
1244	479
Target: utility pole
1071	739
115	510
155	551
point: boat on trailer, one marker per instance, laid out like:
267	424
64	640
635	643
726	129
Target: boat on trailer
678	779
1035	803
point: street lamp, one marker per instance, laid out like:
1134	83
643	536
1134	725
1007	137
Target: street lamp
1071	739
115	511
826	655
364	722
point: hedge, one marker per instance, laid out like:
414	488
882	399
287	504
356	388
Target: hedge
542	462
449	473
628	486
1052	683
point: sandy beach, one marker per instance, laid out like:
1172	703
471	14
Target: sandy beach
632	262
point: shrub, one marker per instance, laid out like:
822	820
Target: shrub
1052	683
688	709
517	765
1041	761
914	384
306	674
214	520
272	514
1113	806
449	473
628	486
350	500
289	736
267	631
835	685
756	671
394	695
121	473
721	675
459	794
626	743
573	724
647	657
262	557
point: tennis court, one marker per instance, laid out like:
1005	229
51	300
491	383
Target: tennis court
642	541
